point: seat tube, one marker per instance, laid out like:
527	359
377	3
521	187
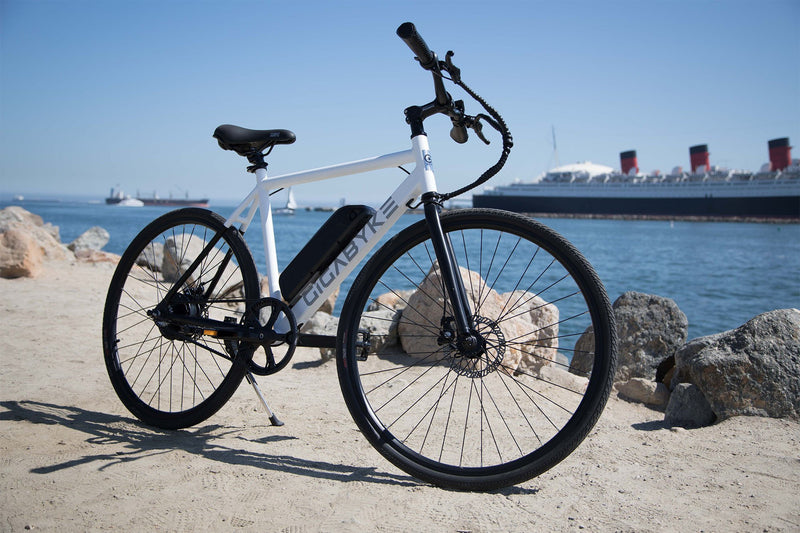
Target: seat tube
268	233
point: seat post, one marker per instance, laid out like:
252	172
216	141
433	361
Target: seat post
257	160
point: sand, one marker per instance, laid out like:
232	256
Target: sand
72	458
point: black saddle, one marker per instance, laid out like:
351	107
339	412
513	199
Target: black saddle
246	142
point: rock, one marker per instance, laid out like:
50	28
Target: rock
751	370
420	321
16	215
644	391
92	239
152	257
688	408
330	304
391	300
322	323
537	322
45	235
649	329
20	255
96	256
179	253
382	326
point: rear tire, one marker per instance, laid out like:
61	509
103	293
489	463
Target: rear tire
165	376
489	421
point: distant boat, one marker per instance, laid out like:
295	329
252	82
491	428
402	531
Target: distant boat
291	205
130	202
18	198
117	196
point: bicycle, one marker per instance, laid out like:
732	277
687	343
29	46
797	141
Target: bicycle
500	354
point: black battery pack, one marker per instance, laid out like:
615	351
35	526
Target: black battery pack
320	251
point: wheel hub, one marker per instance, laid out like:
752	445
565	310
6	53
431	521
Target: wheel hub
480	353
185	304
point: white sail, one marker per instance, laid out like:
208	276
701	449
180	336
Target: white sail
290	201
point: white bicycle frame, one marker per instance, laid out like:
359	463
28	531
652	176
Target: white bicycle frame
315	292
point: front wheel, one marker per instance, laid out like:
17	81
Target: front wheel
485	420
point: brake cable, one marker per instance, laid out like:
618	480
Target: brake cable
494	120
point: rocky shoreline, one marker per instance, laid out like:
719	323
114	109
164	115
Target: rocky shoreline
751	370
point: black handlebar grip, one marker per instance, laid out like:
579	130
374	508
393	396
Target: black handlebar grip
409	34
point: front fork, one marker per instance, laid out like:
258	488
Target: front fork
466	337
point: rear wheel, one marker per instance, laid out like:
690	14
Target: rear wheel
522	402
171	375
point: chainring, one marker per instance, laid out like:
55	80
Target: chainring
271	339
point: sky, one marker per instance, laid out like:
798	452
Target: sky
95	94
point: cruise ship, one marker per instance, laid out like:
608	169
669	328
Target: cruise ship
705	191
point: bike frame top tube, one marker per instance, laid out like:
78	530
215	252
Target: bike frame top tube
419	181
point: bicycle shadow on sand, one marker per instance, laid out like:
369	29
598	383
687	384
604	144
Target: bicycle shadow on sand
139	441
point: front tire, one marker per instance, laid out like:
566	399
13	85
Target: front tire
486	421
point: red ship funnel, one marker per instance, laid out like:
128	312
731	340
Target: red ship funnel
699	157
780	154
628	161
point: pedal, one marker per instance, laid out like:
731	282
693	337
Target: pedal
363	345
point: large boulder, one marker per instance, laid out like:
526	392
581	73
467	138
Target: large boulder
650	328
13	215
532	325
93	238
536	321
46	236
20	254
751	370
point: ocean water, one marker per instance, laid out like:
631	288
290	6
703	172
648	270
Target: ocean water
720	274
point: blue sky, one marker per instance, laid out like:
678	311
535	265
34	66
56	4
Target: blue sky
101	93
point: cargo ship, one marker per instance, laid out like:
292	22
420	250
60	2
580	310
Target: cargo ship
705	191
117	197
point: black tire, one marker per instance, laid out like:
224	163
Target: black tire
532	396
168	378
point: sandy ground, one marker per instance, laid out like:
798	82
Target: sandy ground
72	458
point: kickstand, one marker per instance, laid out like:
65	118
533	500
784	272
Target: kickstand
272	418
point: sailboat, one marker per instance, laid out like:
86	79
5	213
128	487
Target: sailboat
291	205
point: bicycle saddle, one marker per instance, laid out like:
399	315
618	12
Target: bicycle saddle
244	141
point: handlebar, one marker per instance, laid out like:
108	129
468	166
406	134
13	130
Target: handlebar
454	109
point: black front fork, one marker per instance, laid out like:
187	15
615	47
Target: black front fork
466	339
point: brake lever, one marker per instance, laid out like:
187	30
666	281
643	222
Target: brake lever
477	127
454	71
